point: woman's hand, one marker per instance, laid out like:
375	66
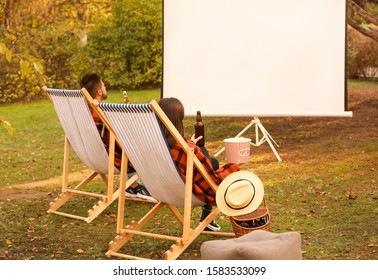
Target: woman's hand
195	140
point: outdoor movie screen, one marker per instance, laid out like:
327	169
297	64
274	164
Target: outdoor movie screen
256	58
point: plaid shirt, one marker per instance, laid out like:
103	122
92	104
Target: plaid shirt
201	188
105	136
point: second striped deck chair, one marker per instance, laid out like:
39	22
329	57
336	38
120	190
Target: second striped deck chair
82	135
138	130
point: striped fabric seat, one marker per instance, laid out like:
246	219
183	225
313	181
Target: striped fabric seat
137	127
82	135
80	129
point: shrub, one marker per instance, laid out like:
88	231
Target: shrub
362	56
126	48
18	88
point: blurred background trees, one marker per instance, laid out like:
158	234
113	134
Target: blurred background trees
54	42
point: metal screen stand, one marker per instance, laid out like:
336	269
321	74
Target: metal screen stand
265	138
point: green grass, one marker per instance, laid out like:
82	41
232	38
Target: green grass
359	84
325	187
136	96
28	152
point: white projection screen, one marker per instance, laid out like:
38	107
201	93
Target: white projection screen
256	58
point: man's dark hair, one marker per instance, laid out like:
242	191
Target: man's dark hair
91	82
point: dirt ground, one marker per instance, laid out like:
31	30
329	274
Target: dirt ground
33	190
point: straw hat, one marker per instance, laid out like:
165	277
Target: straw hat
239	193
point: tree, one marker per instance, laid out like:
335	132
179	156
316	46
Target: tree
126	47
14	14
368	23
39	40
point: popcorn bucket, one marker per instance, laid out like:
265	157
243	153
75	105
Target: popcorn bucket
237	149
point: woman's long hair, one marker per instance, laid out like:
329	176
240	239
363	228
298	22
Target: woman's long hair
175	112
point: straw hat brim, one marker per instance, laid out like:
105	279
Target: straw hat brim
253	188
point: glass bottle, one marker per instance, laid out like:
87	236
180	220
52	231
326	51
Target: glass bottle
199	129
126	98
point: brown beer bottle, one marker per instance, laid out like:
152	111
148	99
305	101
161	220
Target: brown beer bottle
199	129
126	98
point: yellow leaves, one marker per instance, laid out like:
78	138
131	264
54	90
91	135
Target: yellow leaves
8	55
9	243
80	251
3	48
6	51
190	255
38	67
7	126
25	62
24	67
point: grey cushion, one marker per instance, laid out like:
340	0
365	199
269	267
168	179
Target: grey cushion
256	245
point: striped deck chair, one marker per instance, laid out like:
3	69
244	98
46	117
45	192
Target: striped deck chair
138	130
82	135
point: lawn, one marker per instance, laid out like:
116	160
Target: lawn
325	187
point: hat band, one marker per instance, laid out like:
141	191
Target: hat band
235	208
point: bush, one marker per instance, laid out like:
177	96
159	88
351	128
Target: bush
362	56
126	48
17	88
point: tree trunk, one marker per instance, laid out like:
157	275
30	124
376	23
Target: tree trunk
356	9
7	9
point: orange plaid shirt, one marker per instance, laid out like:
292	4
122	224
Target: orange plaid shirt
105	136
201	188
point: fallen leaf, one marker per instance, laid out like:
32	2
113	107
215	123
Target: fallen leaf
80	251
373	245
8	242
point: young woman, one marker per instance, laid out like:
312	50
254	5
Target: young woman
174	110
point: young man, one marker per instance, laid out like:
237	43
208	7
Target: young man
94	84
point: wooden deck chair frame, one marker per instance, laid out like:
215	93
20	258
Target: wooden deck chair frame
74	115
189	234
